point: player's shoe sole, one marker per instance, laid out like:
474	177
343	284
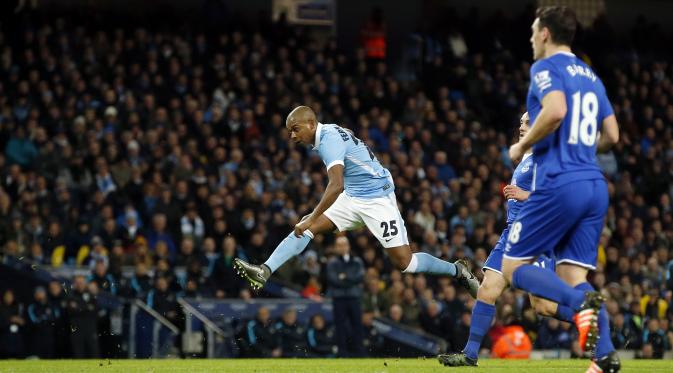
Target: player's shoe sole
254	274
586	320
607	364
466	278
456	360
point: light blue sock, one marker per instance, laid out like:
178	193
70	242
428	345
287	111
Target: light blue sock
426	263
289	247
546	284
482	318
604	345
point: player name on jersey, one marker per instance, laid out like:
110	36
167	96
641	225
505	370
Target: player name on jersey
582	71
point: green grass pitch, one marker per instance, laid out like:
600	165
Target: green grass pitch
312	365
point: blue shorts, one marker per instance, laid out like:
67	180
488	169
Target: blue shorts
494	260
569	218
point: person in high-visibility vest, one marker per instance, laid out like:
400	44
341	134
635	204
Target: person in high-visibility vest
373	36
514	344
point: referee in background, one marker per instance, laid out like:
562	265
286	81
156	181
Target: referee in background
344	286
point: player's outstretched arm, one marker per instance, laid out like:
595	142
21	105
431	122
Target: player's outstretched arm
553	111
334	188
609	134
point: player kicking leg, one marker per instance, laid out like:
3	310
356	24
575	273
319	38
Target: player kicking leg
359	193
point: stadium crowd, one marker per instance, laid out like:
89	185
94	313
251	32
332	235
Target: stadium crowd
163	150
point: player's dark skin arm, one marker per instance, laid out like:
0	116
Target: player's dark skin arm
334	188
553	111
609	135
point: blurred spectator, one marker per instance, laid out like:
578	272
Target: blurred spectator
553	334
12	327
621	334
514	344
58	302
82	315
344	281
160	234
260	337
293	341
373	299
635	324
373	35
653	306
410	309
461	331
191	224
320	337
656	337
42	316
436	322
187	253
396	313
224	280
373	341
162	300
98	253
141	282
104	280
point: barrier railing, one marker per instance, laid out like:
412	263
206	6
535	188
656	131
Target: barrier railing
150	334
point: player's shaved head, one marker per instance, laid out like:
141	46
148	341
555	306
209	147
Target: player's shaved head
301	123
300	114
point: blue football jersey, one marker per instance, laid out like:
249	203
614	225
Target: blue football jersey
569	153
364	176
523	178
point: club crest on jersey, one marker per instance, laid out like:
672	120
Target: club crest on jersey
543	80
525	168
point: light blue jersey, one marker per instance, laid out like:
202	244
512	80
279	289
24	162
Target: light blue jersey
364	176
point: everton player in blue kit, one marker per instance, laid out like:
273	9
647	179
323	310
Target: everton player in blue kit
494	283
568	107
360	193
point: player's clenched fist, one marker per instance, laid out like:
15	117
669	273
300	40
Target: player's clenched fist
516	193
303	225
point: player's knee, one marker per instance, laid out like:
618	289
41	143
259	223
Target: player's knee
486	293
400	259
491	288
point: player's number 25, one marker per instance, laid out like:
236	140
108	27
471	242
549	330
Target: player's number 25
389	229
584	128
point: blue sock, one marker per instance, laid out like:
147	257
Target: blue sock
482	317
426	263
565	313
289	247
604	345
546	284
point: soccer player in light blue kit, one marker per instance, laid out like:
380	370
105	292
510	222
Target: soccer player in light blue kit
360	193
494	284
568	107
